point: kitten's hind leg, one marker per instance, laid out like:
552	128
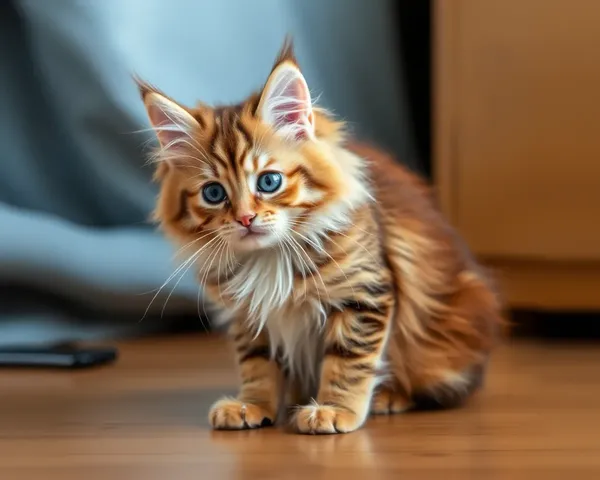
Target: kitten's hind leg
452	391
388	401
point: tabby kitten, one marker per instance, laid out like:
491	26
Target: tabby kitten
345	289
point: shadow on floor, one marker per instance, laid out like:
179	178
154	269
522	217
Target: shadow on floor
556	326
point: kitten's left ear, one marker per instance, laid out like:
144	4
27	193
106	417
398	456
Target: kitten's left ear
285	102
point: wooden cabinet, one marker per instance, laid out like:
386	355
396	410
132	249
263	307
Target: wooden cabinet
517	141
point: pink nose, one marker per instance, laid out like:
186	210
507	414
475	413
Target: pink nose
246	220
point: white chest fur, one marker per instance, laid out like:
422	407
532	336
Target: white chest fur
296	333
268	292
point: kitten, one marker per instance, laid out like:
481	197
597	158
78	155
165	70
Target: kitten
345	289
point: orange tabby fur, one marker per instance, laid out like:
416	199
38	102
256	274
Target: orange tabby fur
355	292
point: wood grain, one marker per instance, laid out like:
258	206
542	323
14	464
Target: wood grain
145	418
518	86
515	115
446	101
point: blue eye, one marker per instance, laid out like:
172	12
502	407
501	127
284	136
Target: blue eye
269	182
213	193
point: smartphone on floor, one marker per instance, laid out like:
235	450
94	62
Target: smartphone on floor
60	356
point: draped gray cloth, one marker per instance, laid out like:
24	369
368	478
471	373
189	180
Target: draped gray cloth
78	257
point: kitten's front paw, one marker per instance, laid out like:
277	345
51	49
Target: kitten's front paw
232	414
323	419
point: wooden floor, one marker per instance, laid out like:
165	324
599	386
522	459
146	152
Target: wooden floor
145	418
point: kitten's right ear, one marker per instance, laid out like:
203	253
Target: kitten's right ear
172	122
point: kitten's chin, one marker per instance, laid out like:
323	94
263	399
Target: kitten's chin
255	241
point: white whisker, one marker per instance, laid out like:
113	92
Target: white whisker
198	309
208	268
222	249
177	270
195	257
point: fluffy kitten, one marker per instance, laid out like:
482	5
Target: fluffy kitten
345	289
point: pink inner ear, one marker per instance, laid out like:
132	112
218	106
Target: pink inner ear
294	110
160	120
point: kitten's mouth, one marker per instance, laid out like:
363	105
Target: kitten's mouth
255	239
254	233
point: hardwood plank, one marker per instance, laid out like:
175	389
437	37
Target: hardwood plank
145	417
551	286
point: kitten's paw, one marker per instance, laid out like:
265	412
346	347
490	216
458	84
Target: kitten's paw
388	402
232	414
322	419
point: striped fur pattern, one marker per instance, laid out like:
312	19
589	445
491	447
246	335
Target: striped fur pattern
345	290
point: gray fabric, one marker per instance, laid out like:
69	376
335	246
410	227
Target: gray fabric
74	189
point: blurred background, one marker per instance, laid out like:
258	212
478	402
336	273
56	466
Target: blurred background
78	257
495	102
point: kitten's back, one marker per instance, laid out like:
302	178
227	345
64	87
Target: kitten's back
448	315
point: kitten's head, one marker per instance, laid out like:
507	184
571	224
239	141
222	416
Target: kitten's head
263	173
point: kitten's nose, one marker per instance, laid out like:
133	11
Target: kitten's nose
246	219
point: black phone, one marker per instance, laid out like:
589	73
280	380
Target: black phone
59	356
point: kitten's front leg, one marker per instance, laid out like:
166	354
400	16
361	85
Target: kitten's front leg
354	345
258	400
